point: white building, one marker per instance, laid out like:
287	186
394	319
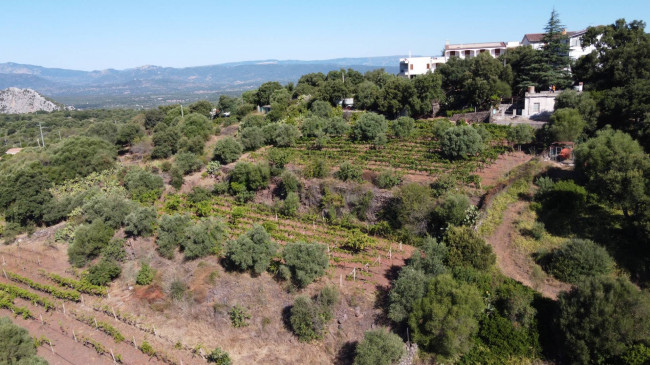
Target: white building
470	50
536	40
539	105
413	66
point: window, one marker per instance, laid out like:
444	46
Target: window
535	107
481	51
411	66
452	53
497	52
428	66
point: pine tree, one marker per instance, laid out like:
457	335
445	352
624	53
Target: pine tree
556	53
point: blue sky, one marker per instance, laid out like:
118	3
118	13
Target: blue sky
91	35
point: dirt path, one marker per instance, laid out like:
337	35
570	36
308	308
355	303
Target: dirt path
516	264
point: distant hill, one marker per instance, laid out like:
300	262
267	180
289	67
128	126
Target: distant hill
152	85
19	101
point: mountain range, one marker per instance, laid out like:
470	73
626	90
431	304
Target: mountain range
154	85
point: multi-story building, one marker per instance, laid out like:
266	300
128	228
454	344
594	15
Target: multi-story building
413	66
470	50
536	40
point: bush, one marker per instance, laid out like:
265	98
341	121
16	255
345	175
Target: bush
281	134
349	172
196	125
251	121
188	162
176	180
171	233
252	138
140	222
147	349
289	183
278	158
445	320
153	117
239	316
219	357
321	109
103	273
16	345
111	209
466	248
165	141
461	142
411	208
290	205
227	150
203	238
337	126
545	184
388	179
81	156
89	240
578	259
104	130
357	241
369	126
409	287
24	196
128	133
379	347
145	275
403	127
307	261
566	124
313	126
451	210
308	318
213	169
252	176
252	251
114	250
177	289
566	199
144	186
316	168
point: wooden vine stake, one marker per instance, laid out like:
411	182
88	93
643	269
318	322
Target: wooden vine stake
63	304
341	280
74	335
134	344
51	348
3	260
82	300
113	356
39	260
41	318
354	274
96	327
154	330
113	309
6	277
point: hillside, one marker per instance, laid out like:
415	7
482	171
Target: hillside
20	101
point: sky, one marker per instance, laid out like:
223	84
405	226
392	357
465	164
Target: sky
96	35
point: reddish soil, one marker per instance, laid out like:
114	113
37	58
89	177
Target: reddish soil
491	174
515	264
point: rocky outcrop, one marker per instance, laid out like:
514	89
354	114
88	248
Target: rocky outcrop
19	101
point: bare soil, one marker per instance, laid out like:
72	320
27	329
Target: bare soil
491	174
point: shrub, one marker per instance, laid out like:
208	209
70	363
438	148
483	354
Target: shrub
114	250
544	184
89	240
566	124
16	345
461	142
219	357
252	251
177	289
252	176
104	130
307	261
188	162
305	320
388	179
289	183
203	238
213	169
409	287
81	156
445	320
176	180
290	205
578	259
313	126
128	133
369	126
196	125
171	233
411	208
439	127
466	248
147	349
25	196
165	141
430	257
252	138
566	199
140	222
103	273
111	209
239	316
321	109
403	127
357	241
349	172
153	117
227	150
281	134
251	121
451	210
143	186
145	275
278	158
337	126
379	347
316	168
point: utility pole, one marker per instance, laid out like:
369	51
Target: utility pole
182	116
41	128
59	134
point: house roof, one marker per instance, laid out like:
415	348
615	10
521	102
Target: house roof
539	37
474	45
13	151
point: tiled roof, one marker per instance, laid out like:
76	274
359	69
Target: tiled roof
539	37
474	45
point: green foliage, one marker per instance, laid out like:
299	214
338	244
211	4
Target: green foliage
411	208
103	273
24	195
601	318
407	289
290	205
566	199
177	289
555	53
145	275
81	286
114	250
466	248
521	134
349	172
388	179
252	138
146	348
578	259
16	345
171	233
196	125
104	130
140	222
79	157
445	320
89	240
128	133
566	124
430	258
614	166
308	318
379	347
252	251
165	140
583	102
219	357
307	261
278	158
451	210
227	150
144	186
152	117
176	178
188	162
72	295
461	142
203	238
281	134
369	126
251	176
357	241
403	127
239	316
111	209
317	168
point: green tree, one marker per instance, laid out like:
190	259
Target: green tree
461	142
445	320
411	208
79	157
144	186
467	248
349	172
578	259
171	233
409	287
227	150
264	92
252	138
128	133
165	141
152	117
104	130
403	127
103	273
321	109
89	240
111	209
367	95
203	238
145	275
188	162
369	126
601	318
307	261
452	209
566	124
24	195
583	102
615	167
521	134
379	347
228	103
555	53
16	345
252	251
251	176
201	107
196	125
